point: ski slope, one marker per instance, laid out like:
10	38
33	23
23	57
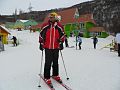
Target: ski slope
88	68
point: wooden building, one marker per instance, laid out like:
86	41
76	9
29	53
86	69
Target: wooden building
4	34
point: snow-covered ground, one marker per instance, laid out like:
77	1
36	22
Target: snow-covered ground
88	69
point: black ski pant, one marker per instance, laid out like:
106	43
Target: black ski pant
15	43
118	49
94	45
79	45
66	42
51	59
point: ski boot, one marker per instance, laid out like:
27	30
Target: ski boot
57	78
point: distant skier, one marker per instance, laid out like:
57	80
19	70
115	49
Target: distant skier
79	40
118	43
95	40
30	28
14	41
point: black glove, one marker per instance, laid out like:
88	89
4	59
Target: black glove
41	47
59	40
61	46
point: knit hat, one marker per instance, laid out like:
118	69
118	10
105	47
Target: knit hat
53	14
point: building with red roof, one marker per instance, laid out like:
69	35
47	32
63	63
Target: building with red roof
75	23
72	21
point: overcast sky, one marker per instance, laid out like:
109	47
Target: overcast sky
9	6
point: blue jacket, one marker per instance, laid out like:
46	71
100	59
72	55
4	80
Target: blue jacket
79	39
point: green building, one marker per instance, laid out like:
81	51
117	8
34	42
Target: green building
24	24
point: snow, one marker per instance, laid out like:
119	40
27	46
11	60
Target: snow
88	68
24	21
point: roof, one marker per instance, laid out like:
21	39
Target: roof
23	20
86	18
68	16
96	29
5	29
30	22
36	26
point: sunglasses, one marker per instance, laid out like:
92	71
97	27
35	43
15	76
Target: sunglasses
51	17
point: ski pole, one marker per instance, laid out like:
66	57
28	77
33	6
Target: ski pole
64	65
40	69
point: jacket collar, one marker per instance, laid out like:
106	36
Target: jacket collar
52	23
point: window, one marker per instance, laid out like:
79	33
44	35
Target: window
82	25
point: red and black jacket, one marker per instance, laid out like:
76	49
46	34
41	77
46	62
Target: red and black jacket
51	34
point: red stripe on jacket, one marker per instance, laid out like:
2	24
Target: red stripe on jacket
50	36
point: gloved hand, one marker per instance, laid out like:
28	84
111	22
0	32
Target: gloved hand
61	46
59	40
41	47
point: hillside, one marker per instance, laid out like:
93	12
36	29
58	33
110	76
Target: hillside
106	13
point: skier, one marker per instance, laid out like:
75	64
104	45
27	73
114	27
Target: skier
66	41
14	41
79	40
95	40
51	39
30	28
118	43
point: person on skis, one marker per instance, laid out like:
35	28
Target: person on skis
95	40
79	40
118	42
51	39
14	41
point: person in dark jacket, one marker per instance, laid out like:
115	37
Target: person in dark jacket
95	40
14	41
51	39
118	42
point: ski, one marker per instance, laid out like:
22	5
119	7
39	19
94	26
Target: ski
49	85
64	85
70	47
